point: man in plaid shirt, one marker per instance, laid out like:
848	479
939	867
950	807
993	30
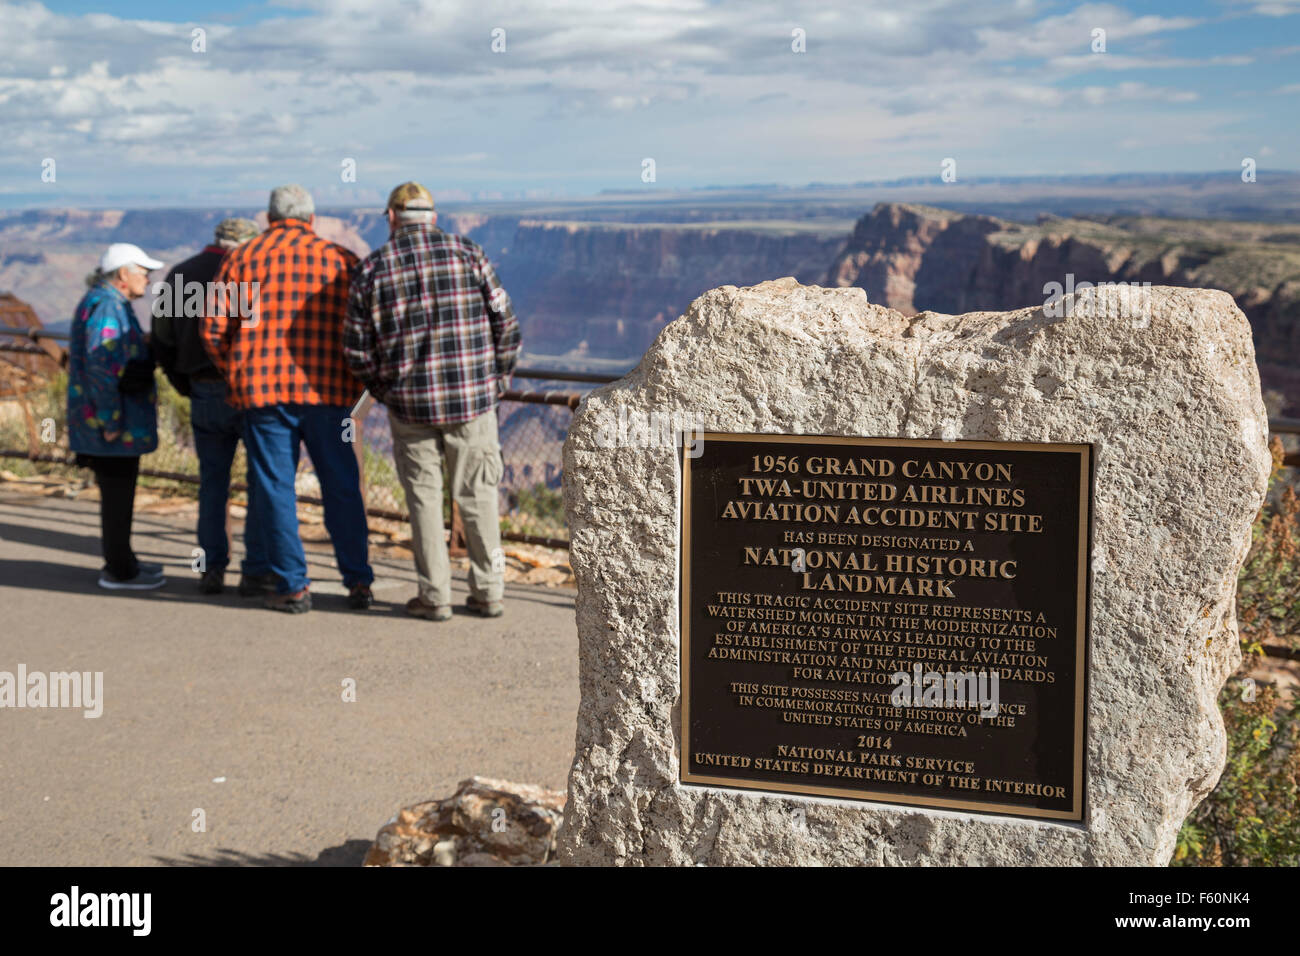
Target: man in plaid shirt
433	336
283	362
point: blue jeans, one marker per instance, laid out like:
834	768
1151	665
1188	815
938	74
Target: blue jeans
272	436
218	429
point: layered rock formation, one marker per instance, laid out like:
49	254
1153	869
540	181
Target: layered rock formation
606	289
595	289
602	288
21	371
45	255
911	258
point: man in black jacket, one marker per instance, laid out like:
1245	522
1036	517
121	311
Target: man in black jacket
218	427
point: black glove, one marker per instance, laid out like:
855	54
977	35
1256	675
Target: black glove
137	377
180	382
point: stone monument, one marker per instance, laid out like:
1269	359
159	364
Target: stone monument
862	588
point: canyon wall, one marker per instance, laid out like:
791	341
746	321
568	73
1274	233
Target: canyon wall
915	258
594	293
581	289
606	290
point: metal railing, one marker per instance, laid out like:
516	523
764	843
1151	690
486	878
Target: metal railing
531	440
534	422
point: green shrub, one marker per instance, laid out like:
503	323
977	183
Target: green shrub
384	488
1252	817
1268	589
537	510
48	402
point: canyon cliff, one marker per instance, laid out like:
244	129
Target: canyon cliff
606	289
918	258
582	290
593	292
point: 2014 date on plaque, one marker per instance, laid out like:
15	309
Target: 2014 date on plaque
898	620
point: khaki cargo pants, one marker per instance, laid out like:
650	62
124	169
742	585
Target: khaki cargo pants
472	452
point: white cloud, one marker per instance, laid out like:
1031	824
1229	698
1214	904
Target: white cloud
712	89
1269	8
1101	95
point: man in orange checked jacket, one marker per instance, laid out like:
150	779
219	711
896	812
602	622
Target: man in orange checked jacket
275	333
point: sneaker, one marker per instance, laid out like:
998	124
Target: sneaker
360	597
299	603
432	612
253	585
150	568
141	582
485	608
213	581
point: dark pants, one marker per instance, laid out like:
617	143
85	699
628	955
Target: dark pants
116	476
272	436
218	428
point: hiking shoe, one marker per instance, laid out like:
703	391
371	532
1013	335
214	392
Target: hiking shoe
299	603
251	585
360	597
486	608
141	582
213	581
432	612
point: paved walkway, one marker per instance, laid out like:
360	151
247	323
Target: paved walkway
220	705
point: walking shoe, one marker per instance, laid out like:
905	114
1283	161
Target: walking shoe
251	585
299	603
485	608
360	597
213	581
141	582
432	612
149	568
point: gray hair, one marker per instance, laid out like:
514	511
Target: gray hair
409	215
290	202
98	276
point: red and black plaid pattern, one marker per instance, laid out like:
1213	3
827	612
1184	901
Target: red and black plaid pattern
429	328
291	349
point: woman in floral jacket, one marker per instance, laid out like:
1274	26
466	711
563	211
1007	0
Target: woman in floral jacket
112	414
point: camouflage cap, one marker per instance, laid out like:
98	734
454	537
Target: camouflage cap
236	229
410	196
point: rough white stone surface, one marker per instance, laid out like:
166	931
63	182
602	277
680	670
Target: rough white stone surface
1170	397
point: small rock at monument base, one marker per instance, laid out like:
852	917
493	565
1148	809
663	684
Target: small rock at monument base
485	822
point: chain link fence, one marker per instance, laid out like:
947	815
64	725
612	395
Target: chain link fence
533	423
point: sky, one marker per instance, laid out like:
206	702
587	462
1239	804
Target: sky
160	103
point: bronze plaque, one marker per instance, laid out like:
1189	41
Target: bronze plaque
882	619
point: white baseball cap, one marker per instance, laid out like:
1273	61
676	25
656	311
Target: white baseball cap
124	254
